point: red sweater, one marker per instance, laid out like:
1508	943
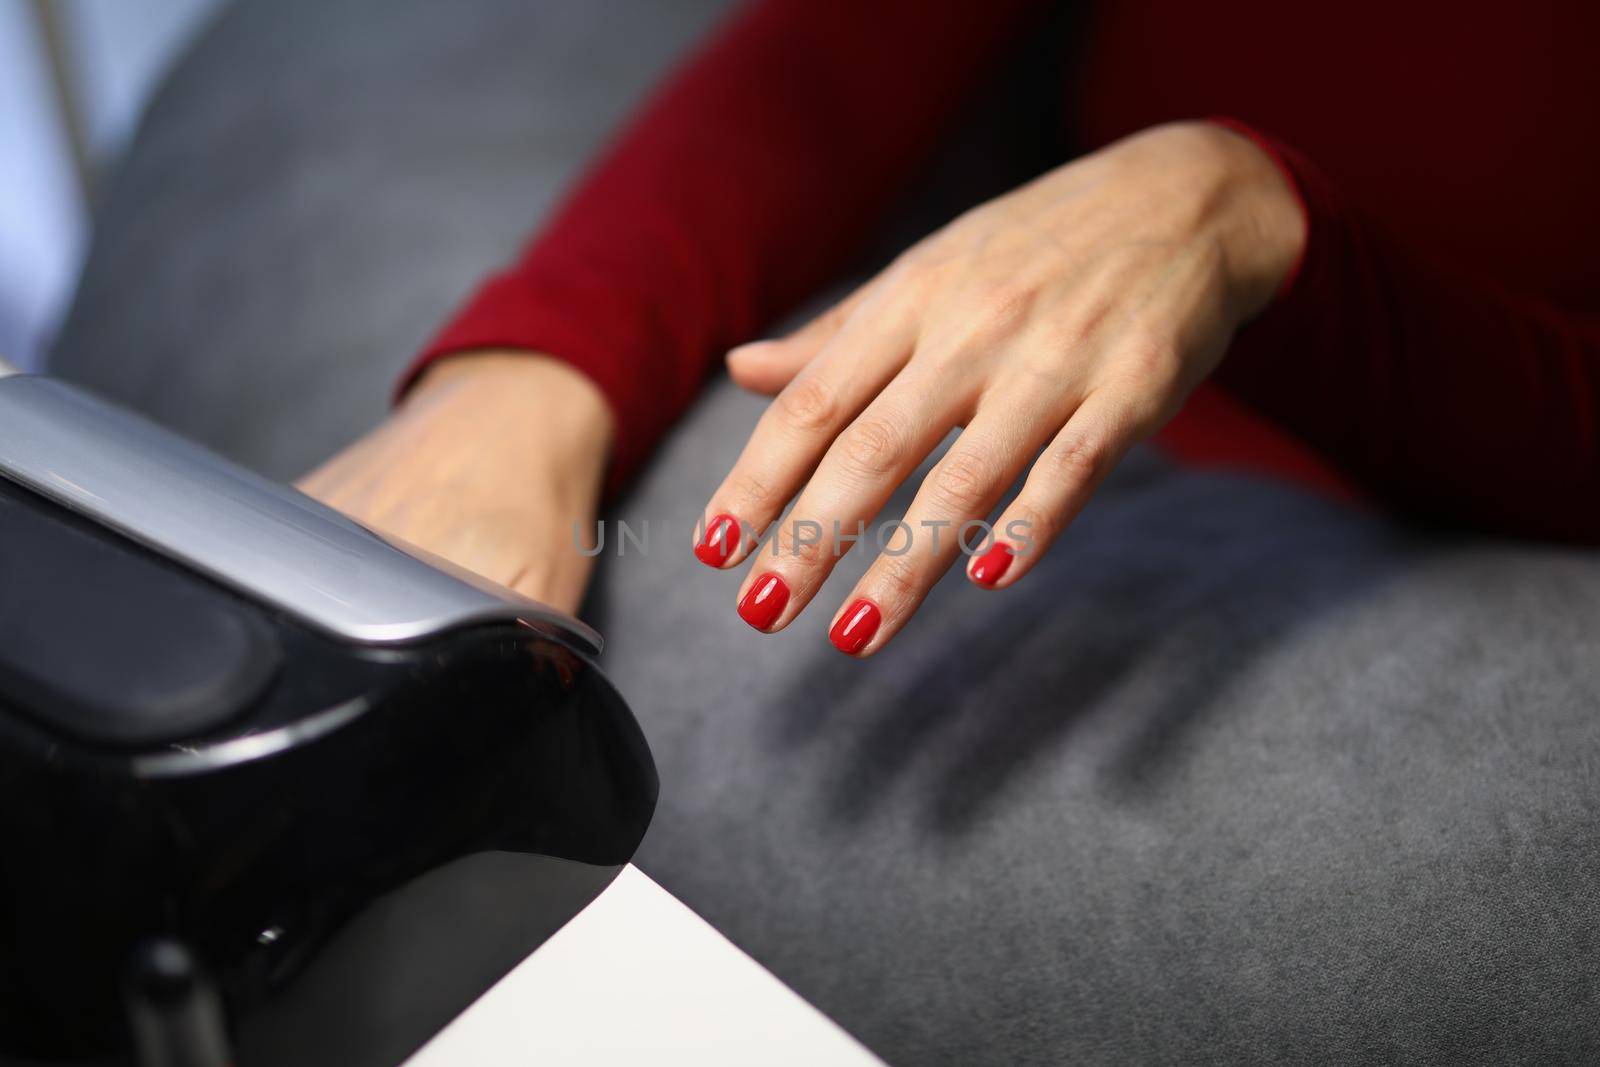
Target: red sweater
1439	343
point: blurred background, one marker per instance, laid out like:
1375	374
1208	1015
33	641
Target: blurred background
74	77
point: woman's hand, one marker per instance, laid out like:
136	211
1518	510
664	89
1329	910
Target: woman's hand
1073	315
490	462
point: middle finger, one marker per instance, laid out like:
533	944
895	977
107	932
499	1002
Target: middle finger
858	474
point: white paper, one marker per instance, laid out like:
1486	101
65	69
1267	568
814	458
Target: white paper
638	978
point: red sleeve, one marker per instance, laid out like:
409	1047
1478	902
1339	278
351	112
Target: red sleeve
1444	395
743	187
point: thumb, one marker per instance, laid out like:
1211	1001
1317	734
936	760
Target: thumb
767	366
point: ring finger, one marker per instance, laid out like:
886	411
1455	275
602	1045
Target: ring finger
869	349
862	468
1008	430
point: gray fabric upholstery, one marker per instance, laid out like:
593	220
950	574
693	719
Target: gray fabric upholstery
1238	775
319	184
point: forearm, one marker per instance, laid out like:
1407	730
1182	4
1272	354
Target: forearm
1443	394
747	182
491	461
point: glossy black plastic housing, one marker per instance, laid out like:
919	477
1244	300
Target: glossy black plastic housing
354	841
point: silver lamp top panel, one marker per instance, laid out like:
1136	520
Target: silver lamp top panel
266	540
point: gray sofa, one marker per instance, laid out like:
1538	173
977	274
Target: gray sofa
1258	778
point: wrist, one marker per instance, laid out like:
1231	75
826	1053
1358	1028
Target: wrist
530	404
1263	225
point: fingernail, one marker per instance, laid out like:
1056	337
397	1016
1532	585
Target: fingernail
855	627
990	567
718	542
764	602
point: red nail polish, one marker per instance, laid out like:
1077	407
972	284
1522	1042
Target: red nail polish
764	602
855	627
990	567
718	542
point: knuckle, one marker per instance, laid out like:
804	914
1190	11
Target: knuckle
871	446
808	403
987	319
751	490
1150	360
897	580
1056	352
963	481
1066	339
1006	303
1075	459
1145	412
809	552
840	313
1047	367
917	265
1028	518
